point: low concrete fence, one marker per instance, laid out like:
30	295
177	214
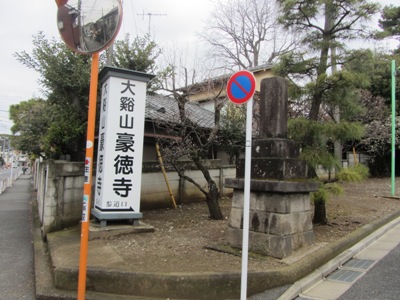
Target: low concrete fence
350	160
4	183
59	187
8	181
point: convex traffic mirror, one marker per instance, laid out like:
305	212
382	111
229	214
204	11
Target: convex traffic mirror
88	26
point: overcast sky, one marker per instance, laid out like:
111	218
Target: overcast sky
171	22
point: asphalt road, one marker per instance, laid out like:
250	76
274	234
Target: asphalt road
16	246
381	282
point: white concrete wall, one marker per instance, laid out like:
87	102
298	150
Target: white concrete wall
324	174
59	187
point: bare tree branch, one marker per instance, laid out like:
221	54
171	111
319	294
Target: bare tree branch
245	34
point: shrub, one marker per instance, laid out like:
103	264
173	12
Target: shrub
322	195
355	173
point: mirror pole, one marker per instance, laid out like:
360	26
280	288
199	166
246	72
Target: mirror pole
88	177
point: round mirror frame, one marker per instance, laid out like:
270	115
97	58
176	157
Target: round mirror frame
88	31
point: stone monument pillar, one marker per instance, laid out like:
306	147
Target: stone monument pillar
280	219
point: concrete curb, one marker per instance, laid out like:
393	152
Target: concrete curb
206	285
44	281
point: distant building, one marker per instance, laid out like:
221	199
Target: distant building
216	87
199	109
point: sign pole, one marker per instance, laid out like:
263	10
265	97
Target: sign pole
393	126
240	89
246	202
87	189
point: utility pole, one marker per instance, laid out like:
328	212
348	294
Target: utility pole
110	53
2	151
150	15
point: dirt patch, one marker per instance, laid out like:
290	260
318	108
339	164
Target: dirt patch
181	237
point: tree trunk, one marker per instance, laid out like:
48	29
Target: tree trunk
212	202
212	195
320	213
323	64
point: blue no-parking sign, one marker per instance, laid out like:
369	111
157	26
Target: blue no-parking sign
241	87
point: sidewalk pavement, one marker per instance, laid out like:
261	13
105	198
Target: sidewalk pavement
57	261
332	285
16	250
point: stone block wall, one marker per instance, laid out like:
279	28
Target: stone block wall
279	223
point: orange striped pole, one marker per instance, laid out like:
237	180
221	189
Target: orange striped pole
88	177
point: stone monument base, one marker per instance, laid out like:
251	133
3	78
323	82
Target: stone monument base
280	220
269	244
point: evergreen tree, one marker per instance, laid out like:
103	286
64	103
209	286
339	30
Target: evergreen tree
65	79
325	26
31	119
390	23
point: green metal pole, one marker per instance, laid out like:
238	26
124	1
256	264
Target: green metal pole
393	124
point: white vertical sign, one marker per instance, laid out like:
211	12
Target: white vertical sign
120	147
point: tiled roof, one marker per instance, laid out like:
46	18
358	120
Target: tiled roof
164	108
225	77
265	66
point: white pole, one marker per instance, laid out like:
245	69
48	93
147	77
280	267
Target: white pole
246	202
4	149
12	167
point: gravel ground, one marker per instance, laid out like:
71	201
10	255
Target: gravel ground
179	242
